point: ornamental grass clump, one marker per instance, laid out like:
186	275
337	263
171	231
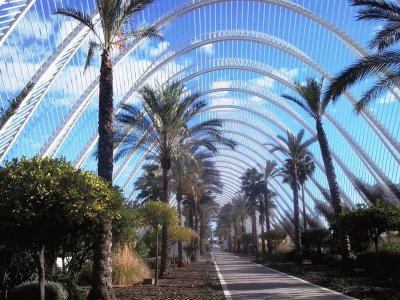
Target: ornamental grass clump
127	267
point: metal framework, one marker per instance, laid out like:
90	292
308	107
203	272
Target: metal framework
217	55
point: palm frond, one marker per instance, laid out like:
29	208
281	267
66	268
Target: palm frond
388	36
370	65
391	80
77	15
93	46
378	10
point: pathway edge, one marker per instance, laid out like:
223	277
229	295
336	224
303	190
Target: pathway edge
305	281
222	280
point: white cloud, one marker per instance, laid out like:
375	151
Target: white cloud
291	73
388	98
265	82
220	85
161	47
208	49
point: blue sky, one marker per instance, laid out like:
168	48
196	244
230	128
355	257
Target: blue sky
41	32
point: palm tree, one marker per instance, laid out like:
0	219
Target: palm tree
270	171
165	124
225	221
312	102
182	168
207	208
252	187
239	206
149	184
384	64
294	149
114	14
375	193
239	214
307	168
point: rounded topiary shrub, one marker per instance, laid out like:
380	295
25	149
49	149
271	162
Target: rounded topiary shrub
30	290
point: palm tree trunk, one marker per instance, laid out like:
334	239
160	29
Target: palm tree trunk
196	228
201	238
156	275
263	247
297	241
102	280
333	187
254	233
181	262
41	271
165	165
304	208
262	220
268	225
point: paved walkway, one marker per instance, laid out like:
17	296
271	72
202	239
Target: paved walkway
242	280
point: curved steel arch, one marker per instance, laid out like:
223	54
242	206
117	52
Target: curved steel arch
367	161
344	195
229	171
279	203
255	36
274	179
287	210
254	66
62	131
340	163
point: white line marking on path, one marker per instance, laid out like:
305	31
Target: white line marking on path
221	279
302	280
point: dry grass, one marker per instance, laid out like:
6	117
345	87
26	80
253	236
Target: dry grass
128	267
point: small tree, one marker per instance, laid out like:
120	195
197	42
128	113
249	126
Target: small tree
245	239
156	215
374	220
314	238
179	233
44	200
275	236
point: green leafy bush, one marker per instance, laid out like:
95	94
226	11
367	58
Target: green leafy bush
16	267
30	290
70	283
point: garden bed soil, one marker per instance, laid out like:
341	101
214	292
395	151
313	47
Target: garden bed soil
360	285
198	280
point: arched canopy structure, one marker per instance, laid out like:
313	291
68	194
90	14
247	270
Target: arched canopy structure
240	55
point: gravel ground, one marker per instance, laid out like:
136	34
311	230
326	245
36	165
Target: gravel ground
185	283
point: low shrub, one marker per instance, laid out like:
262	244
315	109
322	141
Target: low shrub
128	267
317	259
30	290
387	262
70	284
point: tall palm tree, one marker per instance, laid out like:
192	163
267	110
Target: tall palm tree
375	194
206	209
149	184
114	14
294	148
312	102
225	220
252	187
270	171
182	168
239	206
384	64
165	124
307	168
